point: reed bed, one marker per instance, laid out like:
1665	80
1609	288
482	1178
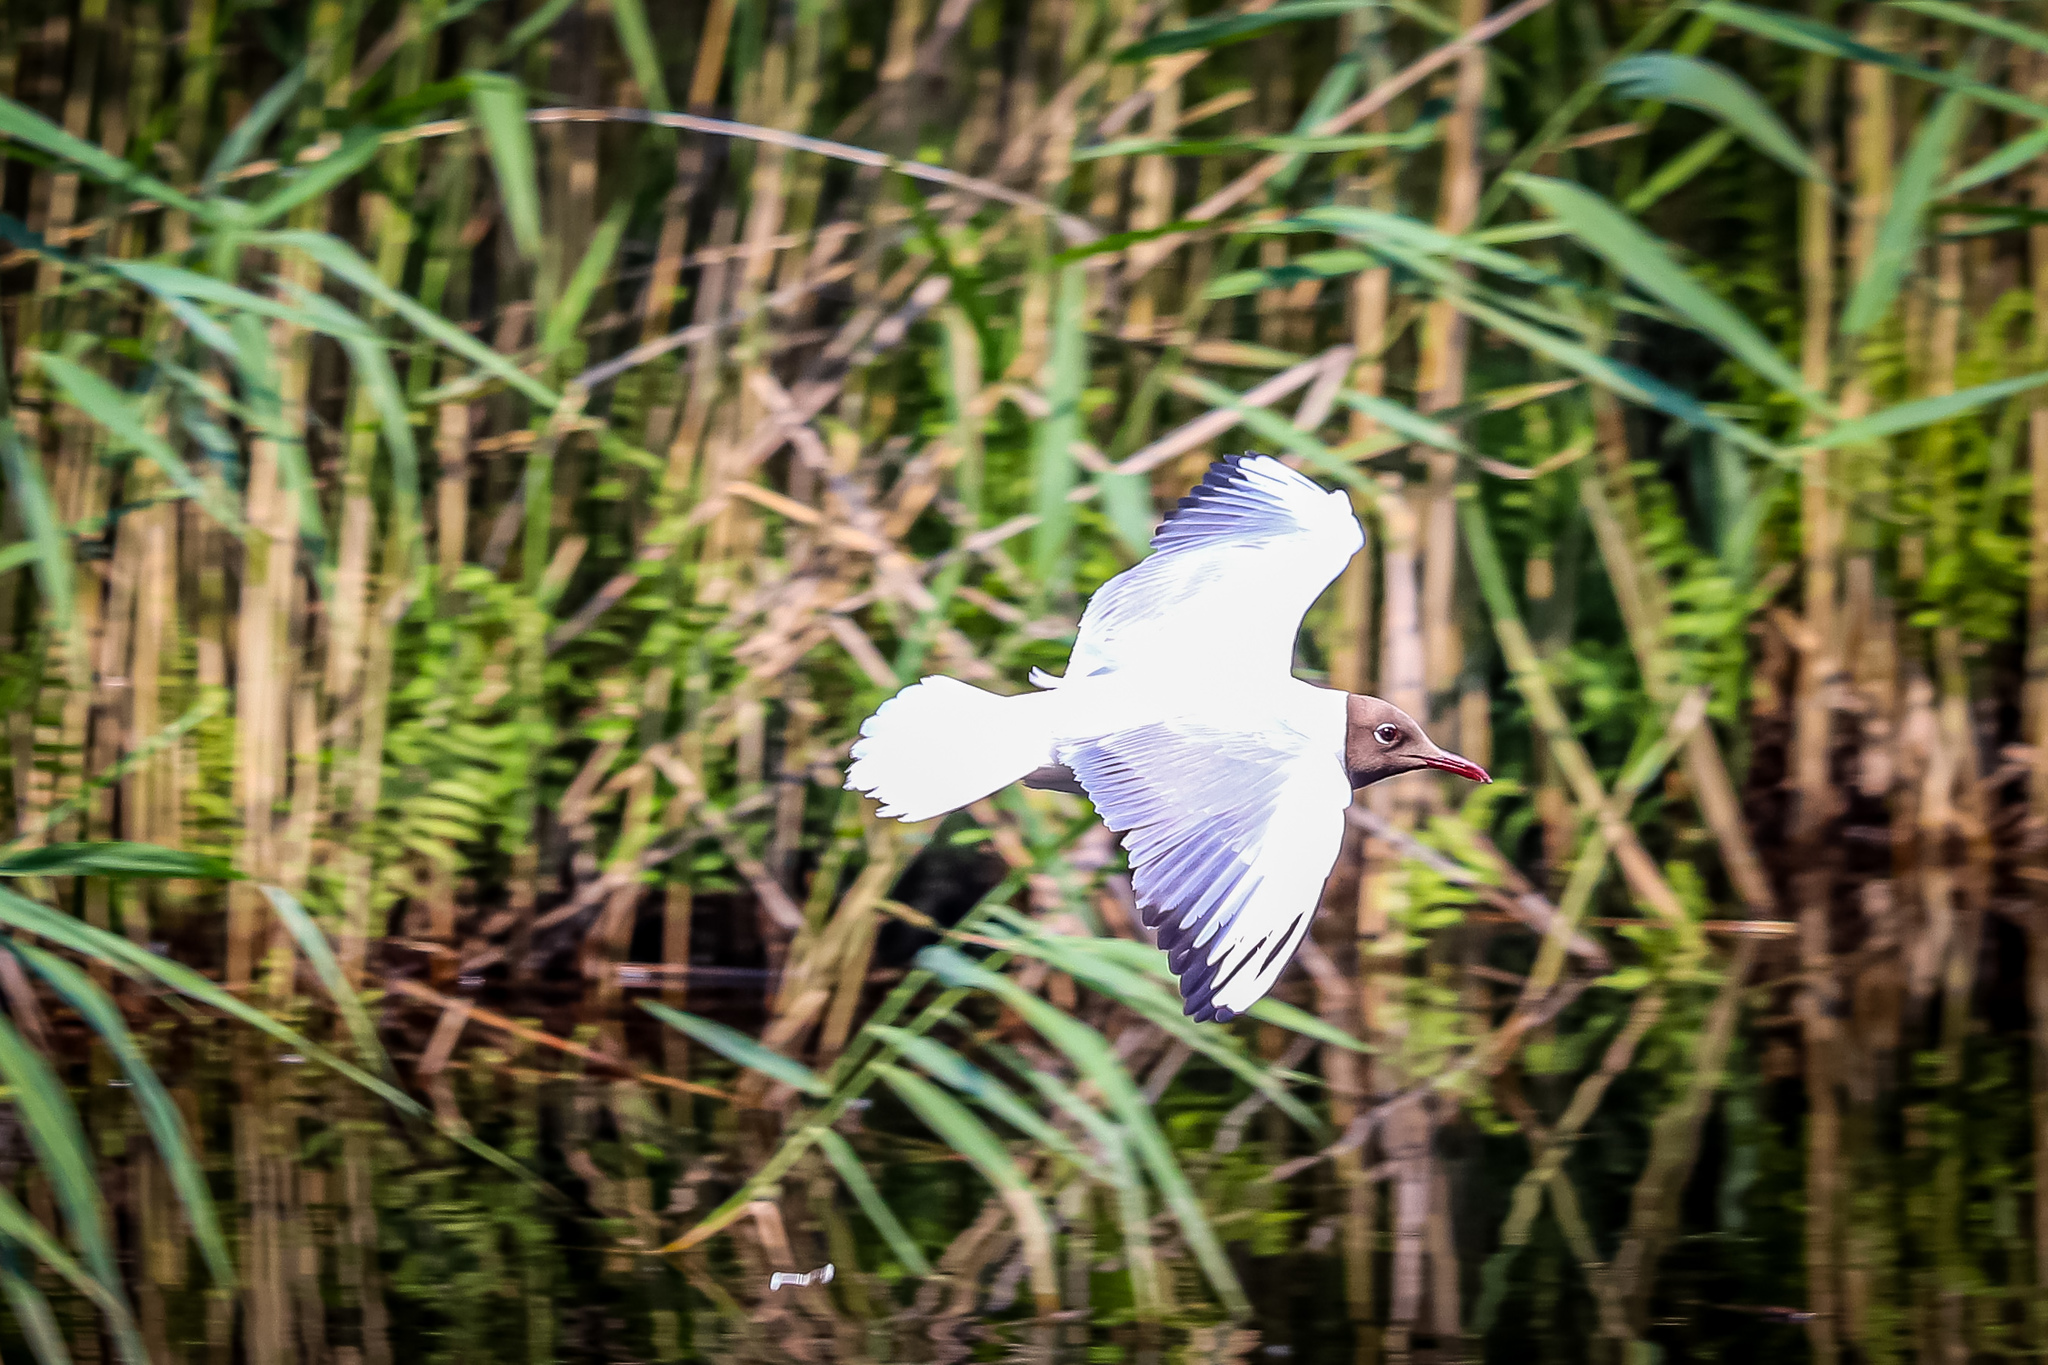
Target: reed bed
472	465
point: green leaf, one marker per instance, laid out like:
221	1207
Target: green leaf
532	26
968	1136
31	497
2022	151
44	1106
1971	17
254	361
629	17
1271	427
115	858
957	1128
1053	437
19	555
1624	380
944	1064
1898	236
1680	169
108	406
567	314
1649	265
1280	1014
1794	31
499	105
1092	1055
18	1226
26	125
138	962
358	148
1389	233
1310	265
1237	28
374	372
854	1176
249	130
1085	961
1402	420
320	955
160	1112
341	261
1711	89
738	1048
1922	412
170	281
32	1312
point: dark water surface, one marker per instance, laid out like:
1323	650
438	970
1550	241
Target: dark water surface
364	1241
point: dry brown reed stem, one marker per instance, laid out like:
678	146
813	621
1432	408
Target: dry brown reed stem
487	1018
2035	699
1526	907
1674	1146
1812	725
1643	615
1145	255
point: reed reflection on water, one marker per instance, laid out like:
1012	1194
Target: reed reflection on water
362	1241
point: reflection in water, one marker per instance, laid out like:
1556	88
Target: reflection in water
365	1242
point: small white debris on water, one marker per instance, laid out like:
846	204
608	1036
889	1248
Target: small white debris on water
119	1085
822	1275
291	1059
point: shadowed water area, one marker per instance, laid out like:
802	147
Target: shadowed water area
364	1239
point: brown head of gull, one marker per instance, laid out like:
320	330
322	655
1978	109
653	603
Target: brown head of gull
1179	716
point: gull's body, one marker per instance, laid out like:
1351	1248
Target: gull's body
1180	718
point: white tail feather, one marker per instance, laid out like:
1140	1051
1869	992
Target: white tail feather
939	744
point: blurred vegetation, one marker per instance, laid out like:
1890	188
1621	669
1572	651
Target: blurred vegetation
471	467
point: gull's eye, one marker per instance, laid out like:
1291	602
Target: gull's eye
1387	733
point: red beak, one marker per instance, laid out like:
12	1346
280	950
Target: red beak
1462	767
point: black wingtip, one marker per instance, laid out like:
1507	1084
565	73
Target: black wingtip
1222	475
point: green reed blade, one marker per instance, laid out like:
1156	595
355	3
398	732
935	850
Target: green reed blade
1052	440
1651	267
106	405
115	858
629	18
942	1063
342	261
567	314
248	133
32	1313
17	1225
1158	1003
739	1049
1237	28
1898	235
159	1111
134	960
839	1152
20	122
499	105
359	147
59	1141
312	941
1093	1057
1715	90
969	1137
1922	412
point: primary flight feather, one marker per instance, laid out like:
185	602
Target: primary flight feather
1180	718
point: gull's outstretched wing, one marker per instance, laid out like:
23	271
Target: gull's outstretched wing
1232	571
1231	832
